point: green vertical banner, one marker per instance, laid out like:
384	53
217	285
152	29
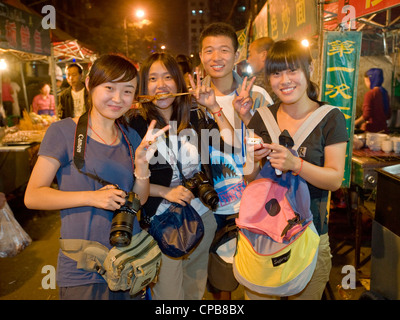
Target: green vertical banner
243	39
341	60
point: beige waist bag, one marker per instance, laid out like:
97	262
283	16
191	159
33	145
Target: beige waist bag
124	268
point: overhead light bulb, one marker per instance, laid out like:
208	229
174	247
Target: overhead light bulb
305	43
3	64
140	13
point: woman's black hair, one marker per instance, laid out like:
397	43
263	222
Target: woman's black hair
291	54
42	84
181	105
111	68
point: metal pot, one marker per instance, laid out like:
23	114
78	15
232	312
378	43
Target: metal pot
362	137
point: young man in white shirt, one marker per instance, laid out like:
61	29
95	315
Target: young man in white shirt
219	45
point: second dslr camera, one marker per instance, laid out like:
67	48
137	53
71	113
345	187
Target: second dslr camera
201	188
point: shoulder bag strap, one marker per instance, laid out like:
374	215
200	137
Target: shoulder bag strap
302	133
309	125
271	126
270	123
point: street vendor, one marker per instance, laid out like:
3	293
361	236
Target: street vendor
44	103
376	108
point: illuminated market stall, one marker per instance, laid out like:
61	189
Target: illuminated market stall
27	50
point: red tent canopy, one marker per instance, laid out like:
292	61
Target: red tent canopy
71	50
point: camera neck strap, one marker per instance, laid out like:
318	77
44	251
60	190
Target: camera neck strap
80	146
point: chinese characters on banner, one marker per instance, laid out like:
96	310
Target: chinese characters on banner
260	24
341	58
292	18
22	31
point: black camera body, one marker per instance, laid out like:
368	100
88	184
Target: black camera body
201	188
123	220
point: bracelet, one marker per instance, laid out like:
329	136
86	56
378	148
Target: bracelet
301	167
218	113
142	178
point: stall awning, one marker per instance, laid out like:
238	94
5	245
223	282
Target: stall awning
71	50
22	35
25	56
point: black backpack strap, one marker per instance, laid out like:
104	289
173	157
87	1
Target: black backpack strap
198	120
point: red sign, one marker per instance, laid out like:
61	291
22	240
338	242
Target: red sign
365	7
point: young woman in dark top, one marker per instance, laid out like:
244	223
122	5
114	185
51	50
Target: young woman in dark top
322	157
160	75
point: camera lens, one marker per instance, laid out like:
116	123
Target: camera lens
121	228
123	220
201	188
208	196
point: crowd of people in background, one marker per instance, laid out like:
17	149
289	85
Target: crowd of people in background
71	93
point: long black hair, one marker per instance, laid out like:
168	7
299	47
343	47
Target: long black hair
181	105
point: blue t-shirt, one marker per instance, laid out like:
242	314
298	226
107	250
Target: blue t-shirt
111	163
227	163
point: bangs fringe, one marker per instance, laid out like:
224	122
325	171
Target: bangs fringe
281	64
112	68
285	55
114	73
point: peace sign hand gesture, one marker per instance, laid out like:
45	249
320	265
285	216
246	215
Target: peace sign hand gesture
148	146
243	101
204	95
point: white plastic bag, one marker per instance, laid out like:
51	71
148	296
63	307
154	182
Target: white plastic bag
13	239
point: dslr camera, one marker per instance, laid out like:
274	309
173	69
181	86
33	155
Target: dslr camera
201	188
123	220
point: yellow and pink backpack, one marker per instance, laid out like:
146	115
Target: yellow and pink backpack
277	245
